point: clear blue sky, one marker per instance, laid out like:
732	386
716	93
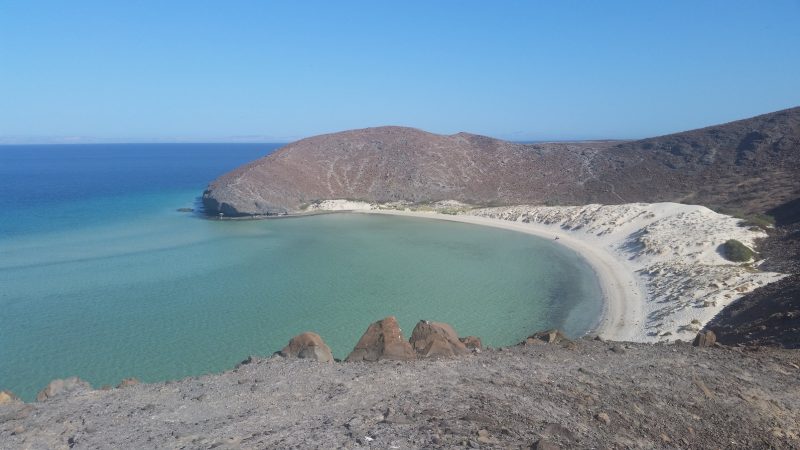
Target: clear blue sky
222	70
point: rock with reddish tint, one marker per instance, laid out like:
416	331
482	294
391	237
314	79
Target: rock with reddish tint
436	340
705	339
60	387
382	340
307	345
471	342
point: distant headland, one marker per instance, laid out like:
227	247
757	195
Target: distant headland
749	165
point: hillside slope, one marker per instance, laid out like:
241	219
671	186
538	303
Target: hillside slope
750	164
590	395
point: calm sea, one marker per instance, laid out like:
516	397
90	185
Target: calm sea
101	277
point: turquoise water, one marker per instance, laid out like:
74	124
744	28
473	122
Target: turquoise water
131	287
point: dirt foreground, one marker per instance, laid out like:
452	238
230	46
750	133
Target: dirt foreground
589	394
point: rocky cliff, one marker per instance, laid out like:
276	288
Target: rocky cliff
749	164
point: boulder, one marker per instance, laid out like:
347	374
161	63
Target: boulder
705	339
128	382
471	342
7	398
307	345
436	340
249	360
382	340
60	387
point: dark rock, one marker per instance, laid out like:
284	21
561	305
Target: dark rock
436	340
308	345
382	340
185	209
61	387
705	339
249	360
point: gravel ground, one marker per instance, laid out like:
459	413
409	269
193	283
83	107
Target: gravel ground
588	394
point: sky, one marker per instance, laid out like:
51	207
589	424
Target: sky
228	71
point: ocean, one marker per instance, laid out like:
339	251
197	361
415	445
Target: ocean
102	278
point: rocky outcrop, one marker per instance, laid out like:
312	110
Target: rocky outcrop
382	340
386	164
60	387
705	339
7	397
436	340
307	345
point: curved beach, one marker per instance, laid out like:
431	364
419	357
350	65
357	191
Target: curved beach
623	296
659	264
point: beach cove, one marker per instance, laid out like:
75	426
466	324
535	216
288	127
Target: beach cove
121	284
659	265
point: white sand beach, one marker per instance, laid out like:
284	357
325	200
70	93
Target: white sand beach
658	264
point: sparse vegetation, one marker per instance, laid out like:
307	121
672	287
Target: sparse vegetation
734	250
762	221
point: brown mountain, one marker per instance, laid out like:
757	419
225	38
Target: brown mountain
750	164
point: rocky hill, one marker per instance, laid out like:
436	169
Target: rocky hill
749	165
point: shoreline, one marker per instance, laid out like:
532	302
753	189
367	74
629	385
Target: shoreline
659	265
621	291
